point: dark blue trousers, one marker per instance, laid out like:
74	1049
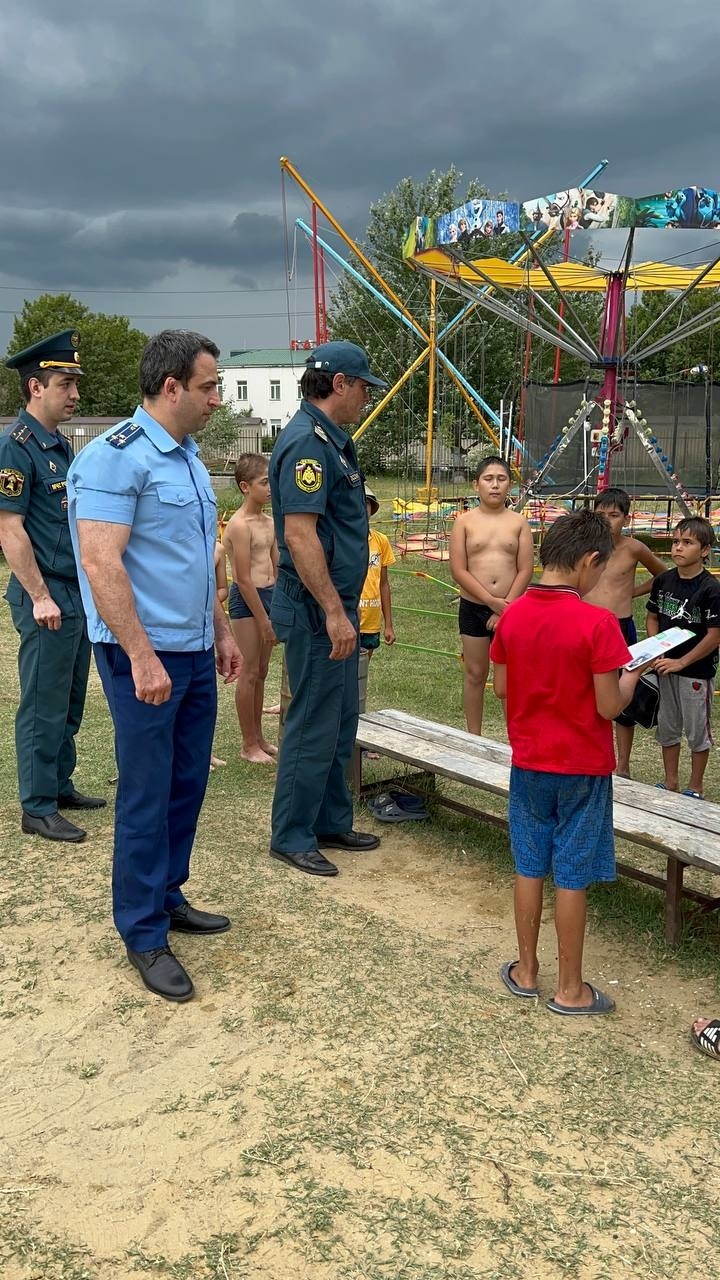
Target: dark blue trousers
163	759
53	668
311	793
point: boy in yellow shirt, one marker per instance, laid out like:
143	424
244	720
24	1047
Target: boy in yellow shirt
375	610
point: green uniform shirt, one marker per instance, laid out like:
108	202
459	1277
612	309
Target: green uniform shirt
33	468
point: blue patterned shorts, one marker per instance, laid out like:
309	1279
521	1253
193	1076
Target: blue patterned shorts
562	822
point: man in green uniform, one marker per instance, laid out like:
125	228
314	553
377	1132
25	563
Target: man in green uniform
43	591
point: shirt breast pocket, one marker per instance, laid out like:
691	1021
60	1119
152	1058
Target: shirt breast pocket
177	512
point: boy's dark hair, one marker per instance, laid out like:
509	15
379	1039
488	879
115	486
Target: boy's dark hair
574	536
697	527
249	466
172	354
613	498
316	384
493	460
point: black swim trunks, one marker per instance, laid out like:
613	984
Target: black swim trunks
473	619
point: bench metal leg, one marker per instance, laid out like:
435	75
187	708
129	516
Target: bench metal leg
673	901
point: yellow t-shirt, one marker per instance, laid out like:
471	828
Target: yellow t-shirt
381	555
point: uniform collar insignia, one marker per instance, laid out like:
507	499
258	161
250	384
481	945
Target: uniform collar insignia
321	432
52	466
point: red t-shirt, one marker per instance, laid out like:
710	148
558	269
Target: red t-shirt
552	644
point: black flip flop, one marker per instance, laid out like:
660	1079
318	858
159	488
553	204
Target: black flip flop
600	1004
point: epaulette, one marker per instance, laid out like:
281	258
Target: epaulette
321	432
124	436
21	433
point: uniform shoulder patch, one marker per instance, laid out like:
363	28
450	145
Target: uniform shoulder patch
320	432
21	433
12	482
125	435
308	475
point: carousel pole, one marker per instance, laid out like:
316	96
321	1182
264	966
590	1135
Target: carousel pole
607	398
432	362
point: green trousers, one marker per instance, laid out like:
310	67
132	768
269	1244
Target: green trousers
53	668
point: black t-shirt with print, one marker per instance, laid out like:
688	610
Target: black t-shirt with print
692	603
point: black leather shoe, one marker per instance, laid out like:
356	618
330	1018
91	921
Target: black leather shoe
311	861
162	973
76	801
53	827
187	919
360	841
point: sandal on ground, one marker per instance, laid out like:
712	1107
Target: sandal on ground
707	1041
694	795
600	1004
524	993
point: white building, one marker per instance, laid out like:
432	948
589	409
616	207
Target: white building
265	383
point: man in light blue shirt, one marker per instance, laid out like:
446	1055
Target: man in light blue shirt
143	522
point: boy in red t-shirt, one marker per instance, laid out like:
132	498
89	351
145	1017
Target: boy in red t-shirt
556	668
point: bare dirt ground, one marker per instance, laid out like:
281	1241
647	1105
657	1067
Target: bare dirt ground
352	1095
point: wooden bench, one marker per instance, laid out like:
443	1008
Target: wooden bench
685	831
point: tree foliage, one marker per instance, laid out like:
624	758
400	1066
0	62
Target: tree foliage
486	349
220	432
110	349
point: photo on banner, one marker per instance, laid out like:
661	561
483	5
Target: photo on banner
691	208
478	219
578	209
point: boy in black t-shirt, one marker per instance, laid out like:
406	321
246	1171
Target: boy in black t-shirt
687	596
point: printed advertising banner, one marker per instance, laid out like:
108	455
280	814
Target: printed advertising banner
577	209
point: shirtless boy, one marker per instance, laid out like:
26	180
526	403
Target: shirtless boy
616	591
491	559
249	542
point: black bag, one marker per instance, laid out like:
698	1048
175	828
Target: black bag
643	708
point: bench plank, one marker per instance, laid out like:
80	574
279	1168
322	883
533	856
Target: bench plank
470	766
699	814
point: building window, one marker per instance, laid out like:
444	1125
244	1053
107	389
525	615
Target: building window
274	390
242	390
275	427
299	392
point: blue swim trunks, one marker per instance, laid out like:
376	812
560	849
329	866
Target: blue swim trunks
237	607
562	822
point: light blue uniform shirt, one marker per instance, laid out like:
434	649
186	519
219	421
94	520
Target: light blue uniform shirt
162	490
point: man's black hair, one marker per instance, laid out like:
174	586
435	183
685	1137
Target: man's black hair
43	376
172	354
316	384
574	536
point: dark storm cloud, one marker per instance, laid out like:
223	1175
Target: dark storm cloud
141	139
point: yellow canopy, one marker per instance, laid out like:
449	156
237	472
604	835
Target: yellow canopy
571	276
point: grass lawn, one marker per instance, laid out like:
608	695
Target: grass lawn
352	1095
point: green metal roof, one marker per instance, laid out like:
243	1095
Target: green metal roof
273	357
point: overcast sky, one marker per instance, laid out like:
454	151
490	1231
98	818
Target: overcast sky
140	140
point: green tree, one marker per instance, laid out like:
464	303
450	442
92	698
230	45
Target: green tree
220	433
110	349
699	348
487	349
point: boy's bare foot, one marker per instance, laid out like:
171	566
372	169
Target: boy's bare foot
256	755
269	747
272	711
216	763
